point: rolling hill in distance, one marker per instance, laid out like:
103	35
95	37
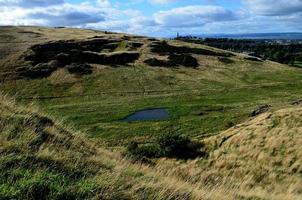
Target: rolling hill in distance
88	114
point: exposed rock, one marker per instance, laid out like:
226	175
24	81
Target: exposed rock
119	58
46	52
164	48
260	110
183	59
156	62
174	60
38	71
152	39
63	58
116	58
110	46
97	36
295	103
79	69
135	45
45	58
225	60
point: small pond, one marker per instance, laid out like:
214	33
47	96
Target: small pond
148	115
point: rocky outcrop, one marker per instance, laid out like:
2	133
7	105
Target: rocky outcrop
260	110
79	69
163	48
174	60
43	59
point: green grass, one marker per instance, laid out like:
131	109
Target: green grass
18	183
96	102
201	101
41	160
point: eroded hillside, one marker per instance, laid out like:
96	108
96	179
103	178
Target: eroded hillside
31	52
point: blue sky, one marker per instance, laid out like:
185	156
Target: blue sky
158	17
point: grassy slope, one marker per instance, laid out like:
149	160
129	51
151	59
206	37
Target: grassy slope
224	93
259	159
45	158
41	159
266	150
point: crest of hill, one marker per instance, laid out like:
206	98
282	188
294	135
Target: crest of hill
36	52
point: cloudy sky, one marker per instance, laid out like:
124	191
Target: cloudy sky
158	17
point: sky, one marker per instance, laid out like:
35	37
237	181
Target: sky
162	18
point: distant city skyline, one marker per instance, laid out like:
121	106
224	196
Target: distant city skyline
158	17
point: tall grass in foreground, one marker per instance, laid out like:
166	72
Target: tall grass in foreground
41	159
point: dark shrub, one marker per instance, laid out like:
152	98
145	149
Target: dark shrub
36	191
143	151
178	146
166	145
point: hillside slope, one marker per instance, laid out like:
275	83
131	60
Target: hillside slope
266	151
258	159
94	79
40	159
91	80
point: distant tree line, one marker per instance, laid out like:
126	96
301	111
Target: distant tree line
286	52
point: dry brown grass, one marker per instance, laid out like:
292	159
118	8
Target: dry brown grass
62	76
266	148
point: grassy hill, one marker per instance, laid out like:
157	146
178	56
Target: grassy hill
221	91
42	159
90	80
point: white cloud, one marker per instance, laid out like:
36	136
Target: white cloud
261	15
274	7
30	3
104	3
53	15
192	16
68	15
